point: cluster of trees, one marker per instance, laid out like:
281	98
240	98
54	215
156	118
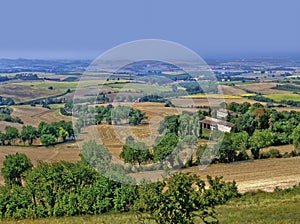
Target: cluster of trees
6	101
258	127
68	189
46	101
287	87
137	152
109	114
255	128
261	98
67	109
5	115
49	134
177	130
192	87
291	103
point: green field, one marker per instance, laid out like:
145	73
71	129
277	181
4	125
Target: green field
280	97
277	207
61	86
257	208
118	87
56	106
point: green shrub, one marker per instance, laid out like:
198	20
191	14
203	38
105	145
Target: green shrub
275	153
264	155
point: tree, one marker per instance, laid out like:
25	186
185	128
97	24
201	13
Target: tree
135	152
136	117
165	147
263	116
29	134
295	137
227	153
233	106
261	139
246	122
244	107
240	143
48	139
63	134
240	140
2	138
12	134
45	128
183	197
14	167
171	123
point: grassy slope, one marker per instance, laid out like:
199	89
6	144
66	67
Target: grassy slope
276	207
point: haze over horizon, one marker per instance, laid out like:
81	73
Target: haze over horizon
85	29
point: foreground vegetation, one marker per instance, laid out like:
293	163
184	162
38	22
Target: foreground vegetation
281	206
71	189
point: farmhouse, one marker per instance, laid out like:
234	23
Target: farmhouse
216	124
223	113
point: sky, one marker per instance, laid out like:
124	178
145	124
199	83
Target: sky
83	29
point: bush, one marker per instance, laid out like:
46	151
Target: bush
48	139
275	153
264	155
294	153
182	197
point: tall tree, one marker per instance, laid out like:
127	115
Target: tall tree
29	134
182	197
48	139
12	134
246	122
2	138
295	137
14	167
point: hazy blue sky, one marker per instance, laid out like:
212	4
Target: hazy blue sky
84	29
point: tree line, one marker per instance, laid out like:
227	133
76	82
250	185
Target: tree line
88	115
6	101
5	115
69	189
258	127
49	134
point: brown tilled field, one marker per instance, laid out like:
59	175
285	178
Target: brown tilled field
264	174
67	152
263	88
20	93
282	148
212	102
34	115
230	90
114	136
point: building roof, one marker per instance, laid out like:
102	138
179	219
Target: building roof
230	112
213	121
